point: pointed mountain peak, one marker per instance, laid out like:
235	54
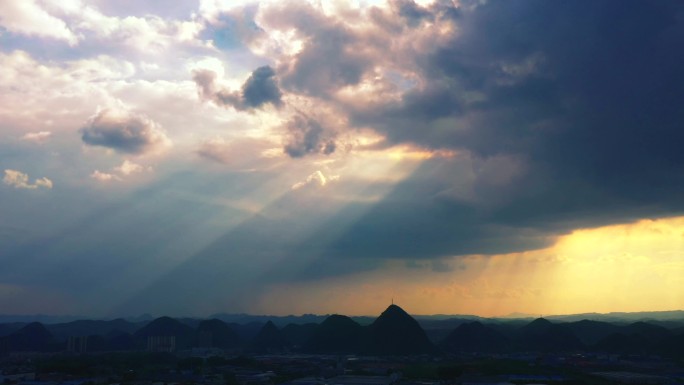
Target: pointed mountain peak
394	310
34	329
395	332
269	337
34	326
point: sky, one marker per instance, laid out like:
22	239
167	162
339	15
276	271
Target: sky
286	157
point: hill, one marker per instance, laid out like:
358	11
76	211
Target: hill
395	332
167	327
543	335
298	334
269	338
337	334
33	337
474	337
216	333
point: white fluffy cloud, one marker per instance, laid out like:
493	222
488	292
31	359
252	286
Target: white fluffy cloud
18	179
29	18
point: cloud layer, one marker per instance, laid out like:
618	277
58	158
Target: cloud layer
259	89
124	132
450	129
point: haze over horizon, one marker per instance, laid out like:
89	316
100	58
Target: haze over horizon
461	157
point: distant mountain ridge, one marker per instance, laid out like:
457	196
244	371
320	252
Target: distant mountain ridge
243	318
393	333
475	337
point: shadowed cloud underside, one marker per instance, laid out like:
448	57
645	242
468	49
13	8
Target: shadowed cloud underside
464	156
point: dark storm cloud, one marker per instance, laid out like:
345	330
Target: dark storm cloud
586	92
307	136
562	115
124	132
259	89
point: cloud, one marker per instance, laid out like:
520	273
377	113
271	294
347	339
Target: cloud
552	136
413	13
241	154
103	176
259	89
316	179
478	127
29	18
128	167
307	136
332	54
440	266
18	179
36	137
124	132
119	172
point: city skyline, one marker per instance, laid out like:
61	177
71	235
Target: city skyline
269	157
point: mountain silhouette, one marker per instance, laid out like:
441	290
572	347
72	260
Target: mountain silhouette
648	330
591	332
33	337
9	328
80	328
269	338
337	334
543	335
395	332
248	331
297	335
474	337
167	327
625	344
217	333
637	338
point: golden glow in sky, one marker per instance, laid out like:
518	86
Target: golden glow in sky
628	267
329	155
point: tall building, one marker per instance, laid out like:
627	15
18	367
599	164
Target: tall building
77	344
161	344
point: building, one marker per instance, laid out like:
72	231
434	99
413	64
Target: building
161	344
